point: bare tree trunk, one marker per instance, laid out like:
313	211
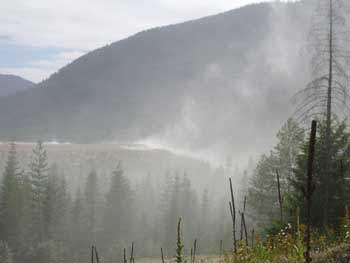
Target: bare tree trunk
245	231
242	225
310	187
92	254
161	252
194	250
132	252
233	216
280	201
329	116
96	254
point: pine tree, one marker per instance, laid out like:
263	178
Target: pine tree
261	198
38	176
119	213
327	94
188	209
337	189
290	138
55	206
91	203
78	229
173	212
263	186
179	245
203	234
11	202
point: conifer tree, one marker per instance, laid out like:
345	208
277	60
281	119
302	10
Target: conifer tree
11	203
179	245
119	214
327	94
78	228
338	187
91	203
56	205
38	176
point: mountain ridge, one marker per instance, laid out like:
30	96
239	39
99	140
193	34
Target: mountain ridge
191	85
11	84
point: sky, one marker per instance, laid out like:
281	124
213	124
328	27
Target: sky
38	37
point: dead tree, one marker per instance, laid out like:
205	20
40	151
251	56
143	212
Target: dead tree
309	189
92	254
194	250
280	201
245	230
233	216
132	253
242	225
125	260
96	254
327	93
161	253
220	249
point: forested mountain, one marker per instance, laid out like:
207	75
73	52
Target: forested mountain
193	84
10	84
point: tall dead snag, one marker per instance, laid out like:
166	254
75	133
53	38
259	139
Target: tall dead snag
125	260
96	254
242	225
233	216
194	250
245	230
162	255
327	94
309	189
92	254
132	253
220	249
280	200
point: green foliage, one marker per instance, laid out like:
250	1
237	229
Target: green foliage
119	213
262	190
179	246
91	192
336	183
11	201
39	180
56	205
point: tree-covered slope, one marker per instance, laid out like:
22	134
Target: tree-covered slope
221	82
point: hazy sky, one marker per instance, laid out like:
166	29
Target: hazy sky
37	37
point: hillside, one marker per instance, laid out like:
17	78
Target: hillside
222	83
10	84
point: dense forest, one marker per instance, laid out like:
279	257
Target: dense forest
43	221
291	205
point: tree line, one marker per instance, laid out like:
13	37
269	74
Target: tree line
42	221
